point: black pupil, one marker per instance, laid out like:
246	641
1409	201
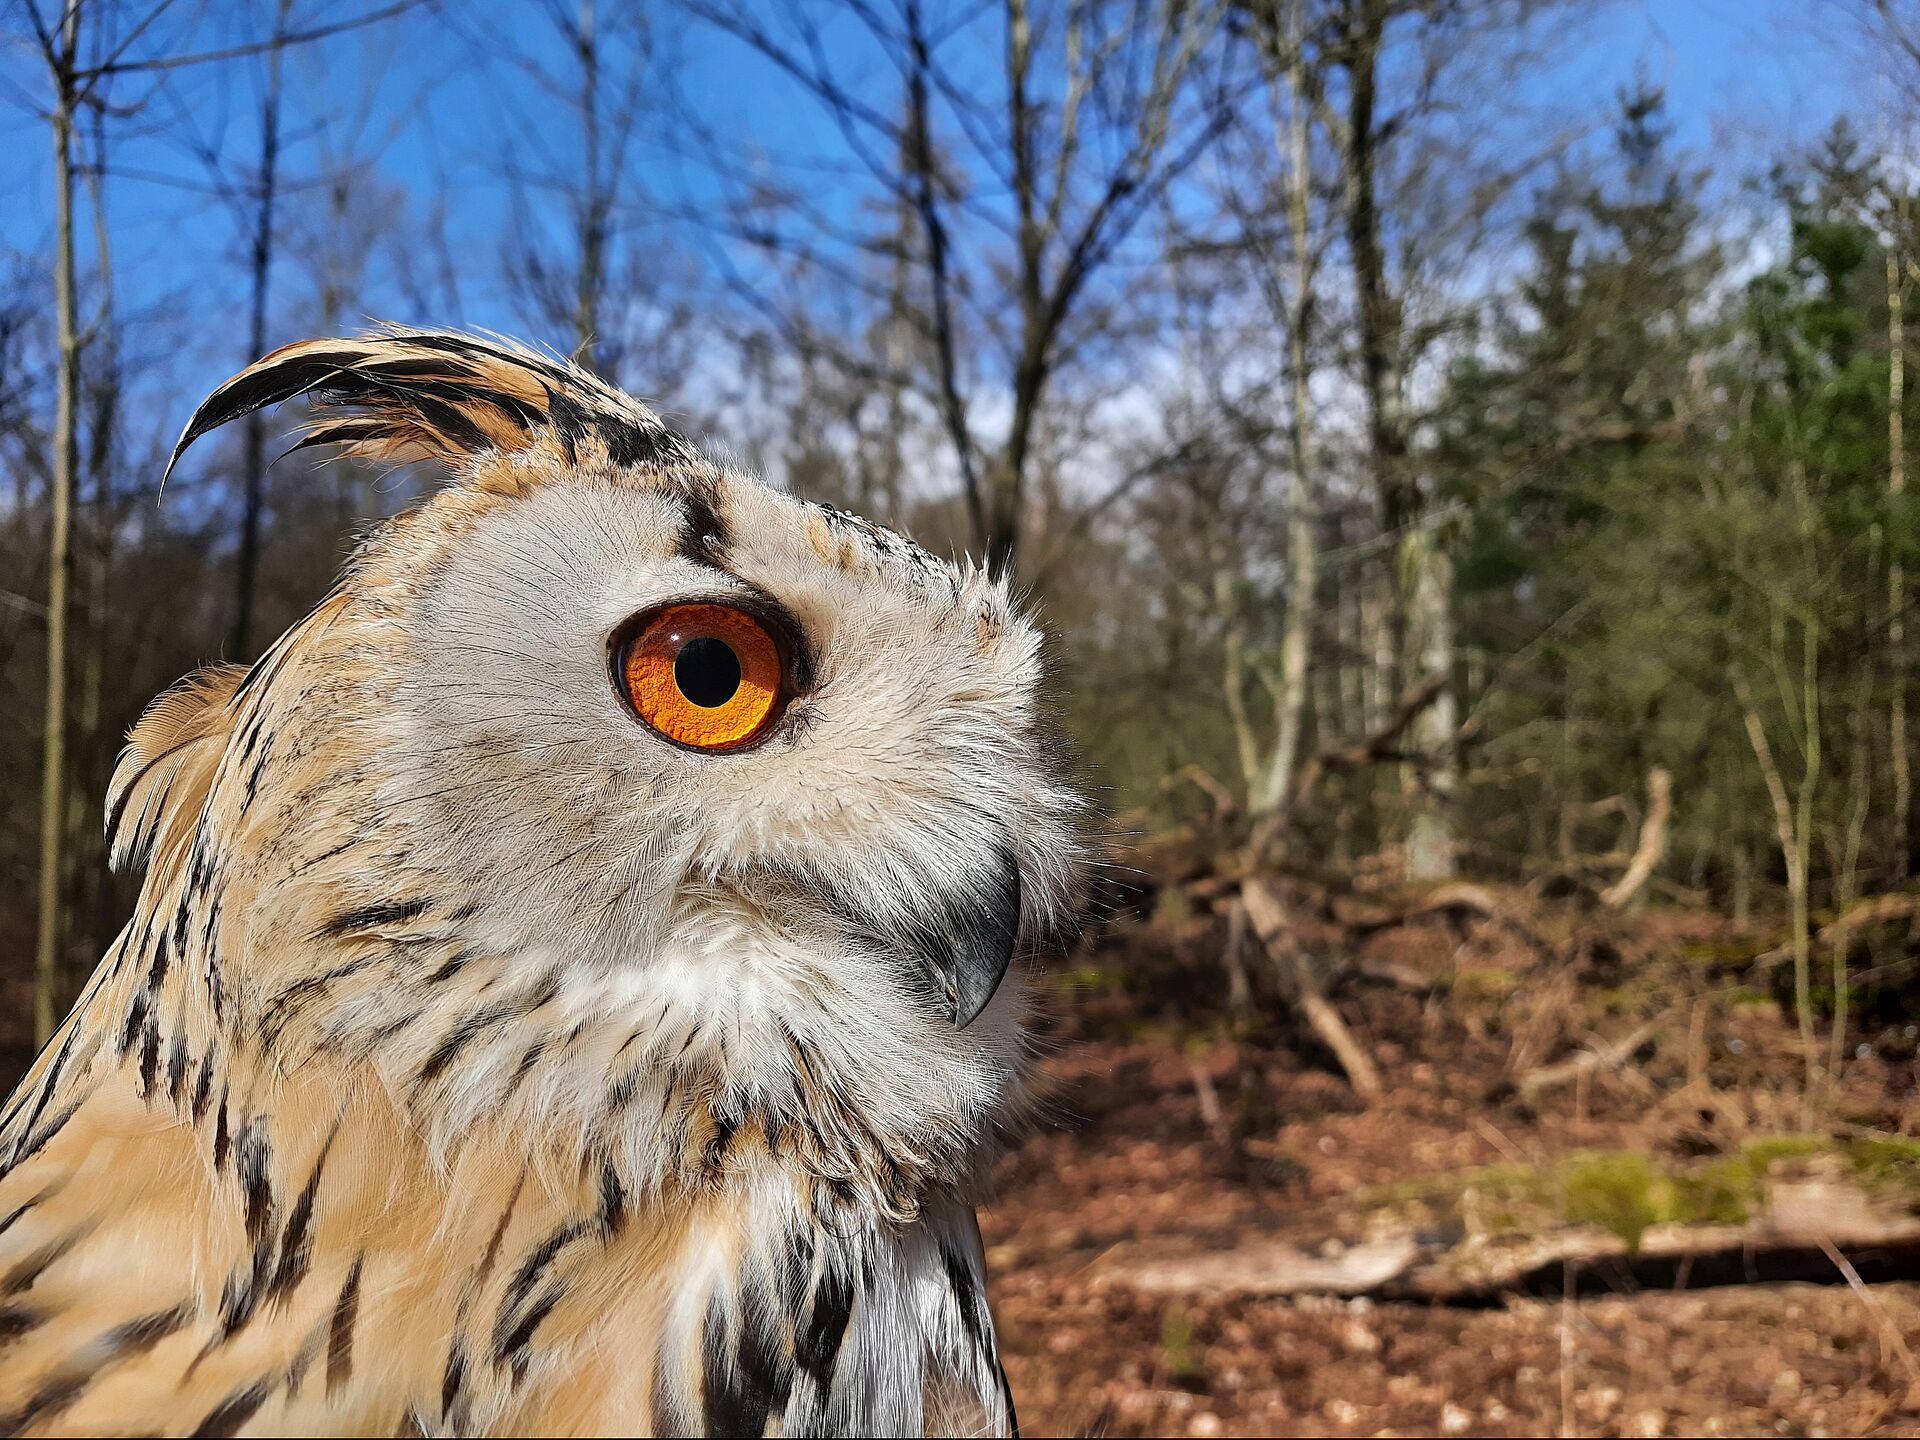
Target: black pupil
707	671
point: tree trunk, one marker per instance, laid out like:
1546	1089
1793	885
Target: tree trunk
1791	827
1421	620
594	204
1303	507
1430	834
1234	679
254	463
1896	570
49	980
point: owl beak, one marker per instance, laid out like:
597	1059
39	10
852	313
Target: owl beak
959	942
966	949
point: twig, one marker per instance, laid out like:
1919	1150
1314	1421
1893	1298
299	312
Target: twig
21	602
1653	841
1209	1098
1889	1332
1604	1057
1239	986
1224	803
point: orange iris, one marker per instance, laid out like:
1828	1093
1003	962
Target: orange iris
707	676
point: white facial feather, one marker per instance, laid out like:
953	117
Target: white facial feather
646	876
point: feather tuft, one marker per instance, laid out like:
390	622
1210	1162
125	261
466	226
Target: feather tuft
399	394
168	765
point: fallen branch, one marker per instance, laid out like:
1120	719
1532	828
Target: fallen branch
1208	1097
1455	897
1610	1056
1268	916
1876	910
1396	973
1225	804
1379	748
1653	841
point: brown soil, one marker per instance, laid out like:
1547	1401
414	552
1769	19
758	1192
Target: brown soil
1126	1154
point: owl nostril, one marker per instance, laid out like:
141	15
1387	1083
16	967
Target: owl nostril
707	672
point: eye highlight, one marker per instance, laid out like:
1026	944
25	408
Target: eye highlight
706	676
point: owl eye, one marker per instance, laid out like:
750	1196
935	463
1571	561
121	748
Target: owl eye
706	676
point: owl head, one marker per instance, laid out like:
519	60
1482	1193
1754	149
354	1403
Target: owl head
604	766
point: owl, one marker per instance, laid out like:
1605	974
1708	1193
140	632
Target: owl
569	990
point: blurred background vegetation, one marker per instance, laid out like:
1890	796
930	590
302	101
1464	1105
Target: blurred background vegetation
1408	441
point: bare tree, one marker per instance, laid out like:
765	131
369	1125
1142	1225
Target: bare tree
1409	201
1020	197
260	277
1286	51
83	51
60	52
1896	567
586	280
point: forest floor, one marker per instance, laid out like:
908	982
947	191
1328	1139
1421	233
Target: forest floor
1169	1128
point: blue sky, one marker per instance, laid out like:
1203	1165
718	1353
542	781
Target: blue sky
1745	79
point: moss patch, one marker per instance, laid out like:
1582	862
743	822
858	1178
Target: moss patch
1894	1160
1626	1192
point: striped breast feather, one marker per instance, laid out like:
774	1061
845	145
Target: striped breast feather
885	1332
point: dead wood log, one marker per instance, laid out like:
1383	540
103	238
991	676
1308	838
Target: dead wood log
1268	917
1262	1269
1802	1225
1653	841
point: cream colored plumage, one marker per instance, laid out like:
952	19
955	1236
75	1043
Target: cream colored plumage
479	1061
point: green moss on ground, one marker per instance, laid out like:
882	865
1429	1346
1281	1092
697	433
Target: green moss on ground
1627	1192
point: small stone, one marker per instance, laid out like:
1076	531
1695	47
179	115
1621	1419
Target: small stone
1454	1420
1647	1425
1602	1401
1359	1339
1205	1423
1342	1412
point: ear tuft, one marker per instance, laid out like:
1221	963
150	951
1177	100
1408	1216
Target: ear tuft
401	394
